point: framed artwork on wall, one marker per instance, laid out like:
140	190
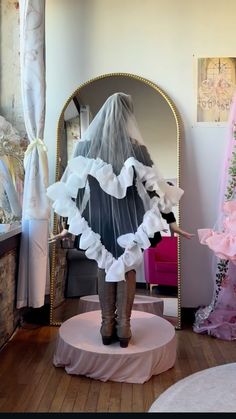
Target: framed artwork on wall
216	84
72	135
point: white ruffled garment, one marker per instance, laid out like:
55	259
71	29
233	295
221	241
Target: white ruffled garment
64	193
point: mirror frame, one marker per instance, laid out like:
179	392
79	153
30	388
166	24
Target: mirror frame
179	131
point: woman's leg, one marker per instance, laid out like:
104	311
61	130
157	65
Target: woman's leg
124	302
107	298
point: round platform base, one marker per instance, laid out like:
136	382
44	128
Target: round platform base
151	350
209	390
145	303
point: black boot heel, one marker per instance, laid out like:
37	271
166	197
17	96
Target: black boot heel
124	342
107	340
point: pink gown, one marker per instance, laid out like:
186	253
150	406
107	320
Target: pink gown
221	322
222	243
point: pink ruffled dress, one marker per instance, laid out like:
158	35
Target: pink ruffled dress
222	243
221	322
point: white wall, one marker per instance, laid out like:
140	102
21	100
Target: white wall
156	39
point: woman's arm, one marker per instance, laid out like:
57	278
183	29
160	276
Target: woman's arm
176	229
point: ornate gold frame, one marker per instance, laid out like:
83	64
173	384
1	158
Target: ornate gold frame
179	131
10	148
16	150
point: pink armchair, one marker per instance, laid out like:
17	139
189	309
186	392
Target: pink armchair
161	263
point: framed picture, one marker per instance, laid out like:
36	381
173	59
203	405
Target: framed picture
72	135
216	84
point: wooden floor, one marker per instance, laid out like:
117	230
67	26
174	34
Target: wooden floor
30	383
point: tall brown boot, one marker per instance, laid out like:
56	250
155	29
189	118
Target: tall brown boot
107	298
124	302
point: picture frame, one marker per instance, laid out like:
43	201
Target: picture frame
215	88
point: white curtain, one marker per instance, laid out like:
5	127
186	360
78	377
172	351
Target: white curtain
33	278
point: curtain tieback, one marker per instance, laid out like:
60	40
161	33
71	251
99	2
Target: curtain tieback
35	143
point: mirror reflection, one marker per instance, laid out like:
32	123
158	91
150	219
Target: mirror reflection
73	276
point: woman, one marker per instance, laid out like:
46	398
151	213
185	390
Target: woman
115	199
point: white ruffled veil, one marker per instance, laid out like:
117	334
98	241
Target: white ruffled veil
111	192
108	136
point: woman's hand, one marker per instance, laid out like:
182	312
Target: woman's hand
176	229
59	236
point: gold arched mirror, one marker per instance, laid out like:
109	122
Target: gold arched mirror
159	124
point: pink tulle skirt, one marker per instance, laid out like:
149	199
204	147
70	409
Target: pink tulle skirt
222	243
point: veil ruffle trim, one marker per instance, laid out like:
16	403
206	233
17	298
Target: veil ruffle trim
80	167
75	177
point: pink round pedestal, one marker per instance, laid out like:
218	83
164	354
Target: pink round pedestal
207	391
151	350
141	303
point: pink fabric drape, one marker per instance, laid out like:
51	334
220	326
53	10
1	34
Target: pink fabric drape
219	317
